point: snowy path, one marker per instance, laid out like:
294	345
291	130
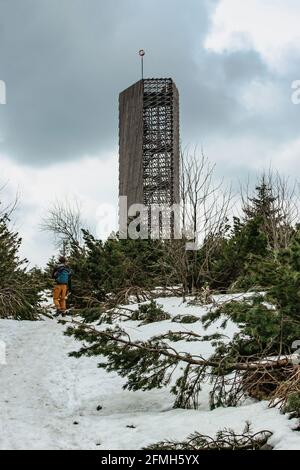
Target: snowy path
43	392
38	388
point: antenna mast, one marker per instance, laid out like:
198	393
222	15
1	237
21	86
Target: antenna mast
141	54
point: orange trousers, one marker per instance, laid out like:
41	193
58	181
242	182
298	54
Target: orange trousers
59	296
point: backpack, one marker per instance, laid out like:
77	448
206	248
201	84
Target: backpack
62	275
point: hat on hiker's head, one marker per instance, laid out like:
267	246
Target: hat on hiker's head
62	259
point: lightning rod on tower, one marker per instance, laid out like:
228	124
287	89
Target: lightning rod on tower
141	54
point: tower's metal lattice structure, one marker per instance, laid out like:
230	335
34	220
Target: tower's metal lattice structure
158	171
149	144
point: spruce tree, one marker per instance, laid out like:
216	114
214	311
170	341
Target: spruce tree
263	203
229	262
101	269
266	205
269	321
20	289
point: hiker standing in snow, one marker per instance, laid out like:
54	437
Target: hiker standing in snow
62	276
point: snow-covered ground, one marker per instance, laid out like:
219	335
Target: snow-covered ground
49	400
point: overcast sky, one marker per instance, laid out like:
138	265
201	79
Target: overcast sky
64	63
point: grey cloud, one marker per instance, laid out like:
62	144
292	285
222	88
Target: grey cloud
242	65
65	61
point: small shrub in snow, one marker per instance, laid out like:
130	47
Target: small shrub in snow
293	405
226	439
150	313
185	319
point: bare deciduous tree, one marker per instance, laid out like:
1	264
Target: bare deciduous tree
7	210
205	206
65	222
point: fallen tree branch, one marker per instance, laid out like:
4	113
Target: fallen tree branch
171	353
